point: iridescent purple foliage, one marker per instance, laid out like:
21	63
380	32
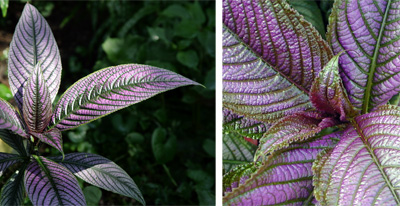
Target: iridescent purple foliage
35	76
331	135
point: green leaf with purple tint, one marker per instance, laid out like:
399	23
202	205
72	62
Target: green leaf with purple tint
364	167
37	103
368	33
12	192
101	172
52	137
33	42
270	57
6	160
48	183
111	89
14	141
284	178
245	126
236	151
328	94
291	129
239	175
9	119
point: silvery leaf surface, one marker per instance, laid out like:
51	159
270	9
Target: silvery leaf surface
48	183
37	107
236	151
33	43
101	172
368	32
364	167
271	56
111	89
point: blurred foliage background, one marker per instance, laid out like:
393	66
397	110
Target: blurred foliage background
166	143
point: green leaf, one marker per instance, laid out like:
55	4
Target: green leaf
188	58
5	92
311	12
12	193
163	148
92	195
4	7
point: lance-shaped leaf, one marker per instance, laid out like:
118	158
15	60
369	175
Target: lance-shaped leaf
37	103
270	57
111	89
33	42
295	128
245	126
48	183
52	137
13	140
101	172
328	94
239	175
285	178
6	160
236	151
368	32
364	167
12	193
9	119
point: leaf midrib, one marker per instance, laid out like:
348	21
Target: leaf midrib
375	160
367	97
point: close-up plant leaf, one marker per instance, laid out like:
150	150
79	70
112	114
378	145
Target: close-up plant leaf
35	77
331	136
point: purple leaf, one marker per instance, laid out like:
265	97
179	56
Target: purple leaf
9	119
367	31
101	172
111	89
33	42
295	128
270	57
284	178
37	104
236	151
364	167
13	140
6	160
328	94
245	126
48	183
12	192
52	137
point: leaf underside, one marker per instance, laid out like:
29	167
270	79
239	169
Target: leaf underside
245	126
33	43
364	166
101	172
368	33
236	151
48	183
111	89
284	178
268	68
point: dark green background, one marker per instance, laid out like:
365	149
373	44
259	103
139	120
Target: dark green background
166	143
